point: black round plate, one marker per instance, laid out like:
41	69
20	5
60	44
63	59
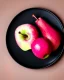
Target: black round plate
27	58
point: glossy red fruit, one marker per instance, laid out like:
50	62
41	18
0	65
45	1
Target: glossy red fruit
40	48
49	32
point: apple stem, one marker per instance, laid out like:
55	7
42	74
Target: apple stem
25	36
20	33
34	16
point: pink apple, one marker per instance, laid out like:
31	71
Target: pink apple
41	48
25	34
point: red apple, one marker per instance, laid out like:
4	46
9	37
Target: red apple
41	48
25	34
49	32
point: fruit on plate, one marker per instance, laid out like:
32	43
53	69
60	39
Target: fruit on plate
25	34
49	32
41	48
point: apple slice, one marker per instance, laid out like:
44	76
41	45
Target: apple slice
25	34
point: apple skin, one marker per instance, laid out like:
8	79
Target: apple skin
49	33
30	31
41	48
